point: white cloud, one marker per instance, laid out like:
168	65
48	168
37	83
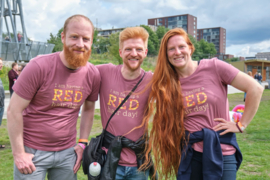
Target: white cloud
175	4
249	49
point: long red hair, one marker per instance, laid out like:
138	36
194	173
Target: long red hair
167	136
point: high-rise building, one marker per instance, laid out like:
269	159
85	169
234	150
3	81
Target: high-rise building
215	35
185	21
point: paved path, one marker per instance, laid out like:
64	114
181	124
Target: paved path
231	90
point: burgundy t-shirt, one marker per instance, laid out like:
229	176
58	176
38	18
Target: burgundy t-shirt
113	89
205	97
56	94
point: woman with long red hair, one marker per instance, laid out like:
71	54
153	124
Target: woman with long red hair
191	134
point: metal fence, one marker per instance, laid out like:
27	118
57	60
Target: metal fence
12	51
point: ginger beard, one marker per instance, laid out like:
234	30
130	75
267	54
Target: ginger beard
76	60
133	68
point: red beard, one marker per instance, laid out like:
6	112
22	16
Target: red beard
76	60
132	69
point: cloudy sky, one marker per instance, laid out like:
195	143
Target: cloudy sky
247	22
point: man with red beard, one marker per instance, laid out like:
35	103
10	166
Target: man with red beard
116	82
43	111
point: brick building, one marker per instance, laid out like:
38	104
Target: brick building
216	35
185	21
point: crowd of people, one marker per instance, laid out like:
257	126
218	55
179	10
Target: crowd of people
185	100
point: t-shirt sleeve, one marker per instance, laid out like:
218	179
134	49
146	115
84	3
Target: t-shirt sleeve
95	87
29	81
225	71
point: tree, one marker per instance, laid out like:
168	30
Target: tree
234	59
101	45
153	42
56	40
203	49
95	39
114	47
161	31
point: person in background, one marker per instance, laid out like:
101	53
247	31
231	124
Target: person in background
20	69
260	78
192	136
7	38
12	76
19	36
2	99
43	111
256	76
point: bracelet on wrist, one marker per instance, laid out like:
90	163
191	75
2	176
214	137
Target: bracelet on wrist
238	127
82	145
241	126
84	141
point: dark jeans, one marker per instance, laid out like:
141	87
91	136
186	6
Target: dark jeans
229	167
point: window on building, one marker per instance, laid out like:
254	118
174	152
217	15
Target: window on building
172	19
194	35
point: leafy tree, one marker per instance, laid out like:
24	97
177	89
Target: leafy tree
114	47
153	42
203	49
234	59
101	45
95	39
56	40
161	31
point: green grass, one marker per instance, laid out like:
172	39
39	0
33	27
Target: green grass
254	143
4	77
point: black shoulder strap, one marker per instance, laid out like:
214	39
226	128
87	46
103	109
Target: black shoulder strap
124	101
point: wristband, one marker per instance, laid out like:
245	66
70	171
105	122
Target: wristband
82	145
238	127
241	126
83	140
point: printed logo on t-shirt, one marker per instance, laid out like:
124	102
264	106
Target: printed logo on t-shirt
195	100
128	109
66	95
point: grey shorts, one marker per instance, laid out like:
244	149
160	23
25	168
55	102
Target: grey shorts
58	164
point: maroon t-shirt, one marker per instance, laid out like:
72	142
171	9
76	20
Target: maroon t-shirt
113	89
56	94
205	97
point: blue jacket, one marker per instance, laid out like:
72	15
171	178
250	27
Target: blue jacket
212	154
